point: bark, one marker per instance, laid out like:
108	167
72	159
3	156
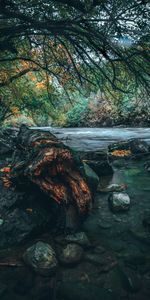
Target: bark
40	158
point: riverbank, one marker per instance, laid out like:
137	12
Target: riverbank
107	258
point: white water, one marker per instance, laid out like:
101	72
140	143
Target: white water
97	138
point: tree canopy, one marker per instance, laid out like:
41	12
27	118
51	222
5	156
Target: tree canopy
84	40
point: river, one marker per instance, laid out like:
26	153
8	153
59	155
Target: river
96	138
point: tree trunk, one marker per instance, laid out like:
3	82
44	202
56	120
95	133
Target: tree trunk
40	158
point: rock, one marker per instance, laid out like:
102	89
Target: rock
130	280
104	260
1	222
91	176
101	167
71	254
78	238
136	146
42	258
140	234
86	291
104	224
119	202
22	214
113	188
146	222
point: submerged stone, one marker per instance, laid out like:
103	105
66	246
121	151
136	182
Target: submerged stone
83	291
130	279
71	254
79	238
91	176
119	202
42	258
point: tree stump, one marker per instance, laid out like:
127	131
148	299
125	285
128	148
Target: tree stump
41	159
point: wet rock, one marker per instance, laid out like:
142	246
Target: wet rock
130	279
136	146
42	258
92	178
140	234
101	168
146	222
86	291
119	202
104	224
104	260
1	222
113	188
78	238
71	254
23	213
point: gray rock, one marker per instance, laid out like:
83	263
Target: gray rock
136	146
71	254
119	202
113	188
1	222
78	238
42	258
91	176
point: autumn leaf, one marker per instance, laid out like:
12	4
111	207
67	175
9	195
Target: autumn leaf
121	153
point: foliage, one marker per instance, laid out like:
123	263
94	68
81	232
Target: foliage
71	39
77	115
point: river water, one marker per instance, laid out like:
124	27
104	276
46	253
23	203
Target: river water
86	139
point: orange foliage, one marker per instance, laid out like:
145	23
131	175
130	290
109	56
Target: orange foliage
121	153
5	169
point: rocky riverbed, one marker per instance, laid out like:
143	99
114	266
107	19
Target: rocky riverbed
108	257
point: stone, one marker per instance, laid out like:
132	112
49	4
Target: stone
91	176
104	260
86	291
146	222
42	258
113	188
140	234
101	168
78	238
119	202
1	222
71	254
136	146
130	279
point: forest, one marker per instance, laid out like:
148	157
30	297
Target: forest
74	149
74	63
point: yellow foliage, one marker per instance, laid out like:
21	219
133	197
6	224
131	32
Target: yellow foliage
41	85
15	110
121	153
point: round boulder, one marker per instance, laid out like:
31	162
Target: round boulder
119	202
71	254
41	257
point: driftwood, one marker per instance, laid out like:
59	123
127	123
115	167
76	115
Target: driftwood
40	158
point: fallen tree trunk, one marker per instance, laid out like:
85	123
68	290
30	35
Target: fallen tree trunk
40	158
